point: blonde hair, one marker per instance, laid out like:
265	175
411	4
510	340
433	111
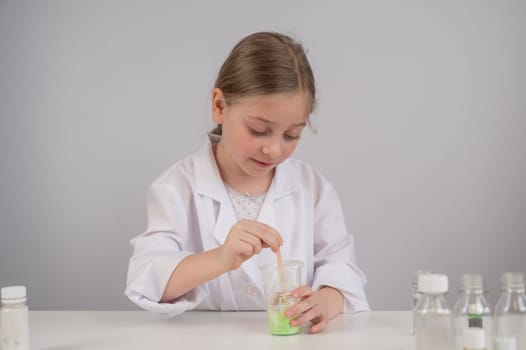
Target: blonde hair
266	63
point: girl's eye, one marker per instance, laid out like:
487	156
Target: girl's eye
257	132
291	137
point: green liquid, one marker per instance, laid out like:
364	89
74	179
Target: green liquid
280	324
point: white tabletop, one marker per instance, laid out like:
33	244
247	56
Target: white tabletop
60	330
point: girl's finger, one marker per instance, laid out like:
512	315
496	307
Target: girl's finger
306	317
302	292
300	307
265	233
253	241
247	250
318	326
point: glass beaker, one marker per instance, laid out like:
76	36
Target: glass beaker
278	288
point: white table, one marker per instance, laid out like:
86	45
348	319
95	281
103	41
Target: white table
61	330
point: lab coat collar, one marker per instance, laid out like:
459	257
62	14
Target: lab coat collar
208	181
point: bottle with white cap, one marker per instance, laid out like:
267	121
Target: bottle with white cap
415	293
474	339
510	311
434	322
14	325
505	343
472	309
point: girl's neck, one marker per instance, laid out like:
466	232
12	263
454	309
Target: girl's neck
249	186
243	183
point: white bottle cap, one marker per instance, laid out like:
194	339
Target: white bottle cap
472	282
505	343
513	280
432	283
13	292
474	338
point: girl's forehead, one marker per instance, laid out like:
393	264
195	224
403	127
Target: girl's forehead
276	98
276	107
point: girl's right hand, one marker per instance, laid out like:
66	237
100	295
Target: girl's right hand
245	239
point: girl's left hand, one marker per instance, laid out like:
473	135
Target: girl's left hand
314	307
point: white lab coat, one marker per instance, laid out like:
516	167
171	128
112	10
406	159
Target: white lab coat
189	211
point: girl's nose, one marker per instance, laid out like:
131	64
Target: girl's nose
272	148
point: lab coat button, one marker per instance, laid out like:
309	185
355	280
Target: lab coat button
251	290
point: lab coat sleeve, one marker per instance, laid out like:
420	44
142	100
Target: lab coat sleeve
158	251
334	254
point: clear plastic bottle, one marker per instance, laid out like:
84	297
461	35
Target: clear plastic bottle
474	338
510	311
14	326
507	343
472	309
434	321
415	293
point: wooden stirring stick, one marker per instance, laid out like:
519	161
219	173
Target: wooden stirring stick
281	273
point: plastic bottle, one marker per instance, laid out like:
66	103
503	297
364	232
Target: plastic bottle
472	309
510	312
474	339
14	326
415	293
508	343
434	321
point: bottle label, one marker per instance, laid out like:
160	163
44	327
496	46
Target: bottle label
475	320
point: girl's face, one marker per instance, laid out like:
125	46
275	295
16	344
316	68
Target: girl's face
259	132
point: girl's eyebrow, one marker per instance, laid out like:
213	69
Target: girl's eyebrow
302	124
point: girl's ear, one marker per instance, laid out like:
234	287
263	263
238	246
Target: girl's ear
218	106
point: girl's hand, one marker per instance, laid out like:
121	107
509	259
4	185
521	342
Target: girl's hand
315	307
245	239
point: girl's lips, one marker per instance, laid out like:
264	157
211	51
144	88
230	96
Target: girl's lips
262	164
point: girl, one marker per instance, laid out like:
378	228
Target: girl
216	216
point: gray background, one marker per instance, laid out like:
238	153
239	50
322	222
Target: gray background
421	128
